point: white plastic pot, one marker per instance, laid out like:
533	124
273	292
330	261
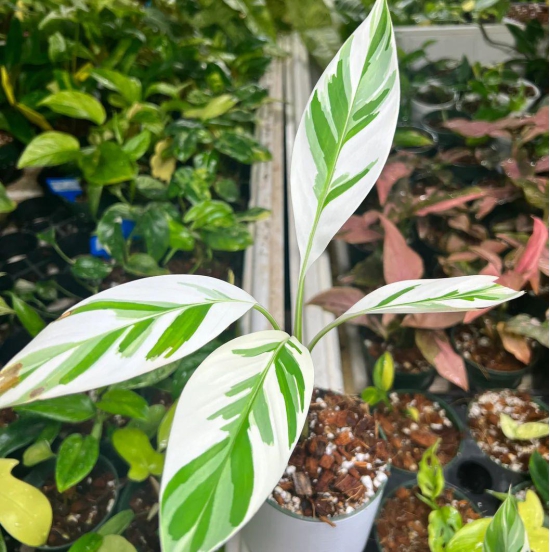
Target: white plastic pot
419	108
275	529
528	102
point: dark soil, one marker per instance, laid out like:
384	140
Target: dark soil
525	12
483	346
214	268
409	438
484	422
408	360
434	95
402	524
341	463
512	89
79	509
5	138
7	416
143	531
471	106
436	234
467	159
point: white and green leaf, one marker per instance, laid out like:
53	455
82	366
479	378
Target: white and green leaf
122	333
464	293
345	134
506	530
248	402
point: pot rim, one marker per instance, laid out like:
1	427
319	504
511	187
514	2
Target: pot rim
453	416
439	106
334	519
497	390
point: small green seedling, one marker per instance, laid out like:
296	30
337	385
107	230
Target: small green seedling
383	376
518	431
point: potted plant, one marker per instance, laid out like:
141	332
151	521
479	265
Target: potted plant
432	96
425	514
234	431
411	422
509	426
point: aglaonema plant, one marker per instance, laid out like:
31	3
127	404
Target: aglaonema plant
241	413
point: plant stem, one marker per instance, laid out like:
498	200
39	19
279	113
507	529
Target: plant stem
327	329
265	312
298	317
58	250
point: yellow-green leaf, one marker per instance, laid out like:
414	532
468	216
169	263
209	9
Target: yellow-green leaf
517	431
163	169
164	428
76	104
25	513
383	373
531	511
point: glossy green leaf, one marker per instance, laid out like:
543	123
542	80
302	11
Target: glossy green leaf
185	144
137	146
227	189
19	434
25	513
242	147
235	238
88	267
90	542
128	87
153	227
116	543
181	238
135	448
142	264
78	105
117	524
38	452
70	409
49	149
7	205
76	458
210	215
5	308
150	424
470	537
538	469
372	395
108	164
165	427
443	525
522	431
214	108
28	317
151	188
124	403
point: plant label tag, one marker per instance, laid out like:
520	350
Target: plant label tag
97	250
68	188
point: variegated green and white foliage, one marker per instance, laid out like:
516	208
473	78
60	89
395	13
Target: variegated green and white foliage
464	293
122	333
345	134
235	426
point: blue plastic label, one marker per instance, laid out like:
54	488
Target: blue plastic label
68	188
97	250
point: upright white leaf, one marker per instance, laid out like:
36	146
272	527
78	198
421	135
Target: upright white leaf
122	333
464	293
236	424
345	134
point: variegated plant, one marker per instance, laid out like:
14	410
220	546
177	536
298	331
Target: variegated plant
242	411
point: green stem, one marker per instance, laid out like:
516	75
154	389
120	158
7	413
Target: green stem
327	329
265	312
58	250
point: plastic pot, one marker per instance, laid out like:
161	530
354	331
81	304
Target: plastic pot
402	380
16	244
10	150
275	529
40	473
457	493
37	214
419	107
446	138
480	377
453	416
427	151
531	95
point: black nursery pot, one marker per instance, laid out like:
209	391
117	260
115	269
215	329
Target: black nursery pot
15	245
402	380
38	476
36	214
446	138
10	151
468	172
483	378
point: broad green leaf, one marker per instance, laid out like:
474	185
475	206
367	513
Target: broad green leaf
116	543
137	146
124	403
142	264
30	319
506	530
372	396
20	433
384	372
128	87
151	422
76	458
108	164
37	452
430	474
249	414
78	105
411	139
210	214
152	226
25	513
470	537
5	308
256	16
181	238
134	446
136	327
463	293
531	511
353	109
227	189
236	238
242	147
214	108
151	188
87	267
117	524
90	542
71	408
538	469
49	149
